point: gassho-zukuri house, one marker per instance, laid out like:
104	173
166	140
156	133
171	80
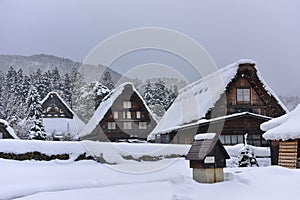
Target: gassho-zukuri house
284	132
59	119
242	103
7	132
121	116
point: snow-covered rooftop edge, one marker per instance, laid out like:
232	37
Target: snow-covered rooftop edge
106	104
9	129
78	122
196	99
284	127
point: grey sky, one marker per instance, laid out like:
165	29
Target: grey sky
266	31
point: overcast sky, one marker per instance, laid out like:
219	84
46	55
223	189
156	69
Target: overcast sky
266	31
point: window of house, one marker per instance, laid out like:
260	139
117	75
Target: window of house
127	104
116	115
126	115
138	114
111	125
231	139
127	125
1	135
243	94
142	125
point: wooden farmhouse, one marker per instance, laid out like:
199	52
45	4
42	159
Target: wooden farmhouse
207	158
121	116
238	106
284	132
6	132
59	120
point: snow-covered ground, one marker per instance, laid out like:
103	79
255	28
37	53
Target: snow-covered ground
130	179
91	180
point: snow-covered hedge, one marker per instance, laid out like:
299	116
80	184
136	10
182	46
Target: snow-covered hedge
110	153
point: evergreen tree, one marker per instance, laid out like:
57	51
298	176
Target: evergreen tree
106	80
100	91
67	89
148	93
159	97
34	116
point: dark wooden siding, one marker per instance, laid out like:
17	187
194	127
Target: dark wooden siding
53	107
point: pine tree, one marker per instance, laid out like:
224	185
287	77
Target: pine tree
106	80
100	91
34	116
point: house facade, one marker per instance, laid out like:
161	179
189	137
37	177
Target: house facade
121	116
60	122
238	107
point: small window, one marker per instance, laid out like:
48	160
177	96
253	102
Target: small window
1	135
227	139
111	125
127	104
49	109
127	125
142	125
126	115
240	139
243	95
116	115
234	139
138	114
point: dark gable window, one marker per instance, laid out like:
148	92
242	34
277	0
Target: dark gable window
243	95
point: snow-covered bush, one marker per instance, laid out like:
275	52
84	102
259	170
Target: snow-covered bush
246	157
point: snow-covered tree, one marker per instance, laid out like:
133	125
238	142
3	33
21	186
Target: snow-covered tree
159	97
246	155
106	80
34	116
90	96
100	91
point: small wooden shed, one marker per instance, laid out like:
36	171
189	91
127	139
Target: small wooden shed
284	132
207	158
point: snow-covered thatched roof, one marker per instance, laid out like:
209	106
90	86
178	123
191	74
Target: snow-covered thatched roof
9	129
106	104
60	125
196	99
284	127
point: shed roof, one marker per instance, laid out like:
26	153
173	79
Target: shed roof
284	127
201	148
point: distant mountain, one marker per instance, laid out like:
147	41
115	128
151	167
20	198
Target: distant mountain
30	64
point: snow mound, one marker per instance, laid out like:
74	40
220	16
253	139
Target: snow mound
205	136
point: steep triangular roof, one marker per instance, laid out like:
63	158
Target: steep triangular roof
9	129
75	124
284	127
196	99
106	104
